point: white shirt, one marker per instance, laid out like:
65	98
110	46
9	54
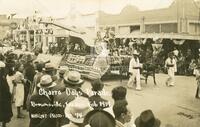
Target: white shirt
170	61
134	63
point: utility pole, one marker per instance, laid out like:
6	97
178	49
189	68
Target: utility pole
197	26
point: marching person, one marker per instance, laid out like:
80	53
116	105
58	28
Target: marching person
170	64
134	70
197	74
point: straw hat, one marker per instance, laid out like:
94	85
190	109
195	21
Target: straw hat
49	67
46	82
73	78
77	109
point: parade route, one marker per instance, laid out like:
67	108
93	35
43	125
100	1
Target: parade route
175	106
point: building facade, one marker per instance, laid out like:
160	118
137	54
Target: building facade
180	20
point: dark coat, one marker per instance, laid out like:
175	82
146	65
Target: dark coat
41	122
29	72
5	100
63	98
66	97
97	102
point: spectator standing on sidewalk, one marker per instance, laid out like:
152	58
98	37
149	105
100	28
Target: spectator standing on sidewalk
19	96
5	98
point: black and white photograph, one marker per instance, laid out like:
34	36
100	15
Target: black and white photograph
99	63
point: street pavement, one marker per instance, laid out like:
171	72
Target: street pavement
174	106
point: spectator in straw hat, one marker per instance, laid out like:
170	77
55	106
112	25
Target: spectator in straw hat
170	64
147	119
45	86
63	70
76	110
51	70
99	118
5	98
72	82
134	70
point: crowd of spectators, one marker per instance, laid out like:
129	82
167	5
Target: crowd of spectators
54	97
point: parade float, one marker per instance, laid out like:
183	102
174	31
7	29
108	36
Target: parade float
85	53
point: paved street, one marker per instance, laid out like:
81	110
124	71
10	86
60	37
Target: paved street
172	105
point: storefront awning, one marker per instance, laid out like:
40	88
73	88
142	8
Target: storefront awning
160	35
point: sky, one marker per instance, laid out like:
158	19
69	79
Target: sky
60	8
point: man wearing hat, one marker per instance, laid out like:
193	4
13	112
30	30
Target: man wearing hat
170	64
63	70
134	70
72	82
147	119
99	118
51	70
76	110
46	84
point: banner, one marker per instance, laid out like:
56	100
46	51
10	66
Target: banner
91	66
82	64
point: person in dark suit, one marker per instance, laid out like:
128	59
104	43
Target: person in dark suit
5	98
29	73
96	101
72	82
40	116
